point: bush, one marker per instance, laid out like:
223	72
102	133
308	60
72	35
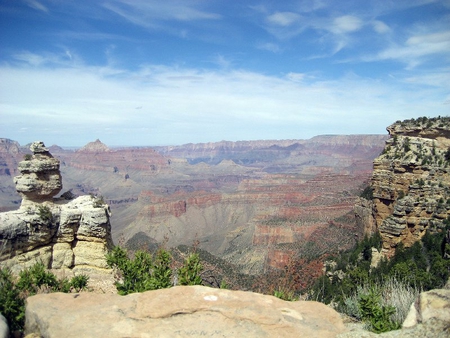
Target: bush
30	282
285	295
190	272
141	273
378	316
12	305
79	282
367	193
45	213
399	280
35	277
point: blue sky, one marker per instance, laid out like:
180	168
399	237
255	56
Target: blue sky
135	72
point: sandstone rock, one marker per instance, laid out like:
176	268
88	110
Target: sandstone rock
60	233
411	182
178	312
377	256
39	178
4	329
434	304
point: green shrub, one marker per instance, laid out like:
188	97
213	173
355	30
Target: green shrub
12	304
190	272
141	273
45	213
30	282
79	282
35	277
367	193
285	295
423	266
376	315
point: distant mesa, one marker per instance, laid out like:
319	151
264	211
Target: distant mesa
97	146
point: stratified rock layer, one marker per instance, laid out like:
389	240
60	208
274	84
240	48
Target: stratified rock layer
411	183
39	178
182	311
61	234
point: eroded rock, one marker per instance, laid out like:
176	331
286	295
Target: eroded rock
411	183
60	233
182	311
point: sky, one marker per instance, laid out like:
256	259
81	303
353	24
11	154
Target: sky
170	72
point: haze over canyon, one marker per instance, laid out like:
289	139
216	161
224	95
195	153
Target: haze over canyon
252	203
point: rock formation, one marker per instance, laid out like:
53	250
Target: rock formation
62	234
181	311
410	183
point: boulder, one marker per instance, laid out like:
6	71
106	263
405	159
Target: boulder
431	305
4	329
181	311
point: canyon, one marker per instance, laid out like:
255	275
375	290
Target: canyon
255	204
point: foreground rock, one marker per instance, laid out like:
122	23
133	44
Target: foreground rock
182	311
61	233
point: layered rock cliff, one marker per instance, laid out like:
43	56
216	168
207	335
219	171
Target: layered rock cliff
410	183
72	234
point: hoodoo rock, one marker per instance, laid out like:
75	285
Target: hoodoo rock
62	234
40	178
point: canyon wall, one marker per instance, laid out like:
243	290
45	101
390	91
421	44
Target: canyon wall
248	202
410	183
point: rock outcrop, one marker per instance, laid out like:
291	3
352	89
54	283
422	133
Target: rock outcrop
62	234
431	305
182	311
410	183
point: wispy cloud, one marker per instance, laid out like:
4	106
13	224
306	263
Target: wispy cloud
380	27
346	24
416	49
153	13
182	105
283	18
271	47
36	5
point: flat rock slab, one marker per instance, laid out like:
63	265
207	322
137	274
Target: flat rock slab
182	311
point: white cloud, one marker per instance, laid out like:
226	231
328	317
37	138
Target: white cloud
417	47
380	27
36	5
154	13
346	24
181	105
271	47
283	18
296	77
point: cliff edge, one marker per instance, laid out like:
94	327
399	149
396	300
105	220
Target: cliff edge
410	185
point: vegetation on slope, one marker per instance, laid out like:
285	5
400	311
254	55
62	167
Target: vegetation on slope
382	295
143	271
31	281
